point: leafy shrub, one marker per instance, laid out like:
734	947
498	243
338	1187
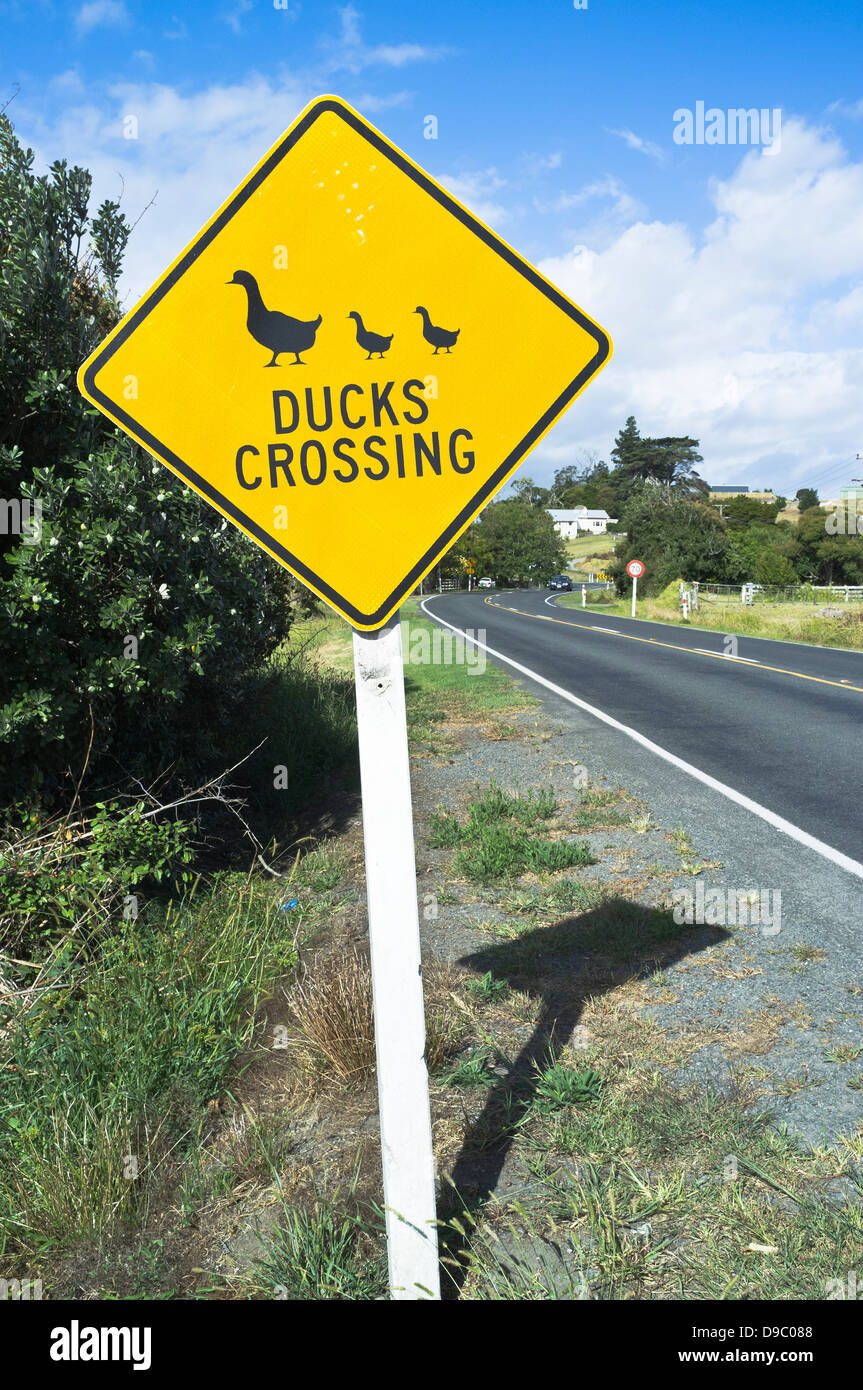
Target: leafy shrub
76	871
137	606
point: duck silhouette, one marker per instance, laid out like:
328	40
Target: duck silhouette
438	337
277	332
370	342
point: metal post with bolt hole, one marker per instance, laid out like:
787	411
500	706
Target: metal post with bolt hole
394	934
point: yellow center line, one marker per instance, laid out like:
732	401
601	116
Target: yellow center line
675	646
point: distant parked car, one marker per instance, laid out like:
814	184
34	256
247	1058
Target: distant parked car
485	583
561	582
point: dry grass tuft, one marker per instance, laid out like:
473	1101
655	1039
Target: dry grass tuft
331	1006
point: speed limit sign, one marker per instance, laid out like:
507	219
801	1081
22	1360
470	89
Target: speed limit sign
635	569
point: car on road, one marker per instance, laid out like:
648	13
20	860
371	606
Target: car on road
561	582
485	583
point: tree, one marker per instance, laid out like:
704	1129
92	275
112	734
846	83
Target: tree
744	511
676	538
806	497
772	567
136	605
526	490
670	460
628	452
518	543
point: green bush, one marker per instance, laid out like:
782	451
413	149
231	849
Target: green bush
75	872
137	607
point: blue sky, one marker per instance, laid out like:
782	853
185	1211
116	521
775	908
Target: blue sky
730	277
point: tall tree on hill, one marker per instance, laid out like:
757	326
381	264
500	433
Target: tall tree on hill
806	497
629	452
675	537
670	460
526	490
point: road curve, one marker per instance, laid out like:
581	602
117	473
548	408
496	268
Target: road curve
779	723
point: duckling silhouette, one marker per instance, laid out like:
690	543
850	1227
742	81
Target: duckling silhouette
368	341
274	331
438	337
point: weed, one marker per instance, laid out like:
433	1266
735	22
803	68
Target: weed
475	1070
808	953
487	988
844	1053
558	1086
107	1070
323	1254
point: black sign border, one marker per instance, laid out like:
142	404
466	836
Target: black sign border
442	544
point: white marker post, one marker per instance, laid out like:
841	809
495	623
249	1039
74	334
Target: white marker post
583	595
403	1095
635	569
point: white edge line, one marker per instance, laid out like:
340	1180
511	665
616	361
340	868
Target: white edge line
852	866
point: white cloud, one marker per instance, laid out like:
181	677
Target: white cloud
636	142
606	207
101	14
476	190
66	84
234	17
178	31
349	53
748	337
368	102
854	109
191	151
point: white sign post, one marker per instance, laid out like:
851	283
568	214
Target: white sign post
391	887
634	569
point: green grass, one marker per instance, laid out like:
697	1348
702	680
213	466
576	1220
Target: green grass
786	622
321	1254
494	842
487	988
668	1193
472	1071
107	1073
559	1086
302	713
440	688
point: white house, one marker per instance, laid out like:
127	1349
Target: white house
568	523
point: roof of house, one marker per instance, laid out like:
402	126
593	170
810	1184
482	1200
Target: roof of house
578	514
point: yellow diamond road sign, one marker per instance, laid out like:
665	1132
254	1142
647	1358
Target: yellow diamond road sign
345	362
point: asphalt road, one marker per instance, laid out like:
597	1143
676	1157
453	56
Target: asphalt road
779	723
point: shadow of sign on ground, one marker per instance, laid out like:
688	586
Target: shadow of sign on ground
565	964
